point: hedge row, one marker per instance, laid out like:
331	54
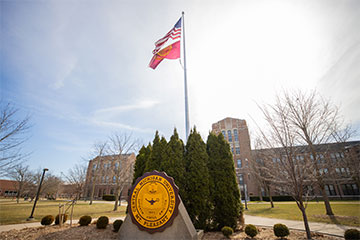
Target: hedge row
274	198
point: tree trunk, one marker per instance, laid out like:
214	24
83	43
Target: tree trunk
18	197
92	193
260	194
116	198
326	201
270	197
306	223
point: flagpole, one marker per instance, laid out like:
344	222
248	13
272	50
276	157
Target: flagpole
185	83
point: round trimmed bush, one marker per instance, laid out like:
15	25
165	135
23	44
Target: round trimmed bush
102	222
251	230
117	224
227	231
64	217
281	230
85	220
352	234
47	220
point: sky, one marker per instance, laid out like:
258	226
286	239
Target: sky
80	70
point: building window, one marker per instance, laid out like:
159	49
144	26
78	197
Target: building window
350	189
232	150
94	166
329	189
236	137
320	158
102	179
107	179
116	165
239	163
229	135
223	133
114	179
237	150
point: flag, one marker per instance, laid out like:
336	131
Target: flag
167	47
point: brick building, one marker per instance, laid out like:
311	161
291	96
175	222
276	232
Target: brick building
8	188
339	163
236	133
106	171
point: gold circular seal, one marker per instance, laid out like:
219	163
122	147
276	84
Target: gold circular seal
153	202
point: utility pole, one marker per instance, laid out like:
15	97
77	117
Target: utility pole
37	195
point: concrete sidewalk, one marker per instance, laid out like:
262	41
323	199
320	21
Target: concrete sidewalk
326	228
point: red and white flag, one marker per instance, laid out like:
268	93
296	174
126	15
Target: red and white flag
167	47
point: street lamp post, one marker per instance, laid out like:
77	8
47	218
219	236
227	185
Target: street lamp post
37	195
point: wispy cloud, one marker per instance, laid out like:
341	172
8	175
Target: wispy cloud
109	124
145	104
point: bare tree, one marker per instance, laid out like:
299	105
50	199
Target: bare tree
263	170
22	175
121	146
76	176
100	150
315	121
294	173
12	137
50	186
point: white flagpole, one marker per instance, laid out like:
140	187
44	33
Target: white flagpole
185	83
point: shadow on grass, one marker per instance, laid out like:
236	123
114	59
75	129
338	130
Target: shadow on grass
262	211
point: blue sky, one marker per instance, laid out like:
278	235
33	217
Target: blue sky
79	68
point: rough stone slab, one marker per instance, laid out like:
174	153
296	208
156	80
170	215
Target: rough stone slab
182	228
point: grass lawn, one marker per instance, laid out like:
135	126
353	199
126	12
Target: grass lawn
11	212
346	213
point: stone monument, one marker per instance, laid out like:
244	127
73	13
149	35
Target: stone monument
155	210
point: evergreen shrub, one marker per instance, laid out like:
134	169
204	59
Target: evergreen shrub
227	231
251	230
65	216
85	220
352	234
281	230
102	222
117	224
109	197
47	220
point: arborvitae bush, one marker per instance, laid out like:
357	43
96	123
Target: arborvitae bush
102	222
65	216
352	234
117	224
47	220
251	230
141	160
85	220
224	191
227	231
281	230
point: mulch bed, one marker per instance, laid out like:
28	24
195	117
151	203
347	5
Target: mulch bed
92	233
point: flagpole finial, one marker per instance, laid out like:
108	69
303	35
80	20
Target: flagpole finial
182	12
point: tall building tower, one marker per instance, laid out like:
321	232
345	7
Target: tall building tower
235	131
